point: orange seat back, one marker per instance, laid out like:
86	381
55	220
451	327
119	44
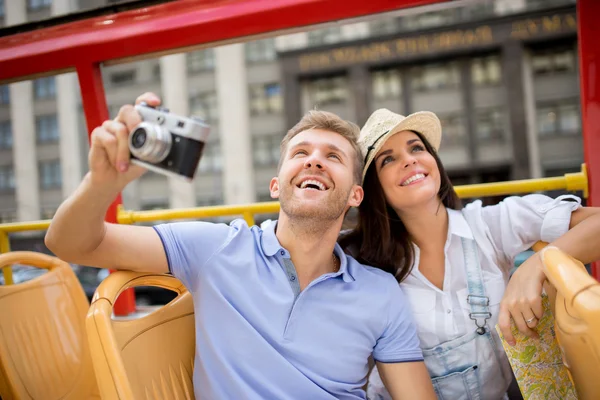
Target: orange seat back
577	319
44	352
147	358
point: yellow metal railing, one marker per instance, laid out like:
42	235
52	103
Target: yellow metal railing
573	182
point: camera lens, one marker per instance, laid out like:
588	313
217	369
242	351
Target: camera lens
150	142
139	138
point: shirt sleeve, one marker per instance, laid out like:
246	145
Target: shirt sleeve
190	245
517	223
399	341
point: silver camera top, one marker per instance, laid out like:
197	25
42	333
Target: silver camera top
151	140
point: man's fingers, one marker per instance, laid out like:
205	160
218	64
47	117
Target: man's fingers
120	148
149	98
103	138
504	324
129	117
122	135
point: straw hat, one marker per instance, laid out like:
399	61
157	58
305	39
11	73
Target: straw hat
383	123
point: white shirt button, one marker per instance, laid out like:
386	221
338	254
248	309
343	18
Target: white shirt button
448	311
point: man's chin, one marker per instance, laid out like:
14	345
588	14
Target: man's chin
310	210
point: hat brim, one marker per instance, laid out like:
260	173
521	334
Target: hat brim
424	122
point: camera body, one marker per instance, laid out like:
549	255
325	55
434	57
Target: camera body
167	143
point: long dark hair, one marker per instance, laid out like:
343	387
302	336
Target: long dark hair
380	239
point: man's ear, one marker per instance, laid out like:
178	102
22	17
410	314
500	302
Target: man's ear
274	188
356	196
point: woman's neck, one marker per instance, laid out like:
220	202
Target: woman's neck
426	225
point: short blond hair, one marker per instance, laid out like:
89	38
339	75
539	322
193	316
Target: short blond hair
327	121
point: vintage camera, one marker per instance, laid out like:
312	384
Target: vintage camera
167	143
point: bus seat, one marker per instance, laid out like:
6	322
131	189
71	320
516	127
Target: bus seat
44	352
577	319
151	357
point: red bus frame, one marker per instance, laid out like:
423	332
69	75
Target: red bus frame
177	26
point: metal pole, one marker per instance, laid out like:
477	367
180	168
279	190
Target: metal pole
588	12
96	112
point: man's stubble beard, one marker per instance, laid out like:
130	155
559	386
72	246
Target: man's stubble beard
316	218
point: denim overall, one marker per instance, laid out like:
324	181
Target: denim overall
460	368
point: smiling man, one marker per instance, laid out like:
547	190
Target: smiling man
281	313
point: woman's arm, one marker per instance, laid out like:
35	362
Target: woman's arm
522	300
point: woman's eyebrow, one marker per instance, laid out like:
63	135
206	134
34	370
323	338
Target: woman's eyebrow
383	153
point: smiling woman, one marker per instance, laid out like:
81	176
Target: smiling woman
453	263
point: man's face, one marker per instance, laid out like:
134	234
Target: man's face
316	177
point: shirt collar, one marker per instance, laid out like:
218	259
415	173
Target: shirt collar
269	242
270	245
457	224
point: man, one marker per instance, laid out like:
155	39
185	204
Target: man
281	313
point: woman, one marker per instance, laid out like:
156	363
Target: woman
453	263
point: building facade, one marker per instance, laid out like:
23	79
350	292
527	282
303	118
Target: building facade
502	75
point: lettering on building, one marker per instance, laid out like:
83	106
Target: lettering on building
533	27
381	51
437	42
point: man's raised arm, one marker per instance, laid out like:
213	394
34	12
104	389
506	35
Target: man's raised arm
78	233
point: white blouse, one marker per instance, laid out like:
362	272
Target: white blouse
501	232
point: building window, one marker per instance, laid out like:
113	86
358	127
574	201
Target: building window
559	119
8	216
122	78
34	5
490	124
204	105
486	71
324	36
266	150
430	19
386	84
435	77
383	27
211	160
45	88
6	138
155	205
4	94
50	176
7	177
48	212
453	128
553	61
261	50
209	201
113	111
47	128
201	60
327	91
265	99
156	71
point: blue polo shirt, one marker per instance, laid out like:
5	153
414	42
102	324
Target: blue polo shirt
259	337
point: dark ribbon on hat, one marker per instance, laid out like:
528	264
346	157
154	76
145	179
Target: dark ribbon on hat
372	147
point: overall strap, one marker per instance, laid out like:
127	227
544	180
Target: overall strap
477	299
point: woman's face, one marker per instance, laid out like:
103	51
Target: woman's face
407	172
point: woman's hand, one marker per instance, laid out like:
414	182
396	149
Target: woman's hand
523	299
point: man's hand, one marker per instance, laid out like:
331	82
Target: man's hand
109	153
78	233
523	299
